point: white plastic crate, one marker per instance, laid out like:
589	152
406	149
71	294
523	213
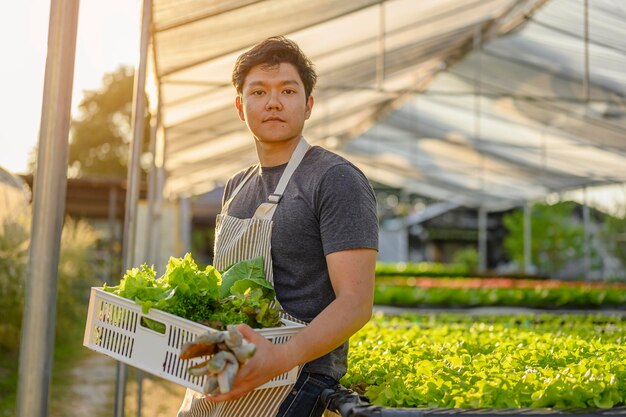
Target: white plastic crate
114	327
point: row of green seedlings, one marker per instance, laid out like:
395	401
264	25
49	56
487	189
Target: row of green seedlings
455	361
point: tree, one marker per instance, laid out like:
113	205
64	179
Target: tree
100	135
614	235
557	236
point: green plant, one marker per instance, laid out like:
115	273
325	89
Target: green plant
537	297
100	134
431	269
240	295
556	236
466	259
75	275
461	361
614	234
14	241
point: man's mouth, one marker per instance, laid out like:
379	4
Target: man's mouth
273	119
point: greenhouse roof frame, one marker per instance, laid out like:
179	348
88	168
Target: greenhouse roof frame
485	103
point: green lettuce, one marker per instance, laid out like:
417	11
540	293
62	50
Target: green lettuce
240	295
246	274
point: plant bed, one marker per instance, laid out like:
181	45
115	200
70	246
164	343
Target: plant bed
346	403
508	362
437	269
474	292
412	269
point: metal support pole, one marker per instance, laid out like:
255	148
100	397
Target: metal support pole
150	232
586	44
152	189
113	234
478	110
380	56
586	234
132	190
50	186
185	224
159	159
527	237
482	239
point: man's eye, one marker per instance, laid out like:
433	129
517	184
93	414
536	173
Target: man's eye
257	93
289	91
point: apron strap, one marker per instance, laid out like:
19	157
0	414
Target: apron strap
266	210
243	182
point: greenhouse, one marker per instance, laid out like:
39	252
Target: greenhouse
500	108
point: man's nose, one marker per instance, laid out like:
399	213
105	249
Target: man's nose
273	102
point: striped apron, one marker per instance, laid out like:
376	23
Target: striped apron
237	240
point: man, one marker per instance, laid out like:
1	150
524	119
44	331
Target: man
323	230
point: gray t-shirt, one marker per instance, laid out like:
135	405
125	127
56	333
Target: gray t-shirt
328	206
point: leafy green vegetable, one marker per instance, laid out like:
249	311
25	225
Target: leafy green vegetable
256	306
413	269
247	274
464	361
545	297
140	285
153	325
240	295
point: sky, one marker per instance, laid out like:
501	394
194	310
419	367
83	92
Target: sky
108	36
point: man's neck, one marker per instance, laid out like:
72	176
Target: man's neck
274	154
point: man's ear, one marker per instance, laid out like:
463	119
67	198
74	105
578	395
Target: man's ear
309	107
239	105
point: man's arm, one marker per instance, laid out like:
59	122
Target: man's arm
352	276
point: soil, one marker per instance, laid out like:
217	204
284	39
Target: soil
91	392
87	390
159	398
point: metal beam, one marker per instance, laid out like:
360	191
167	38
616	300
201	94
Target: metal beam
586	235
185	218
150	241
380	56
132	190
112	217
586	82
50	186
527	238
482	239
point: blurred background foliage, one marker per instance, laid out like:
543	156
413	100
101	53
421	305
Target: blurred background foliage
101	131
614	234
555	235
75	277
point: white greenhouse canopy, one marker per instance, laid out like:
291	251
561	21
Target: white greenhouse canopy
485	103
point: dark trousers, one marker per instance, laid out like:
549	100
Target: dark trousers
304	398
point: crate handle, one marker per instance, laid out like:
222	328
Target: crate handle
152	325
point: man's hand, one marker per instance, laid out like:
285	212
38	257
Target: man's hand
268	361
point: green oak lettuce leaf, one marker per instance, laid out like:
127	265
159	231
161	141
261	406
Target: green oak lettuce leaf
226	314
140	285
247	274
194	292
184	276
240	295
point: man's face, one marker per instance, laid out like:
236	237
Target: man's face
273	103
